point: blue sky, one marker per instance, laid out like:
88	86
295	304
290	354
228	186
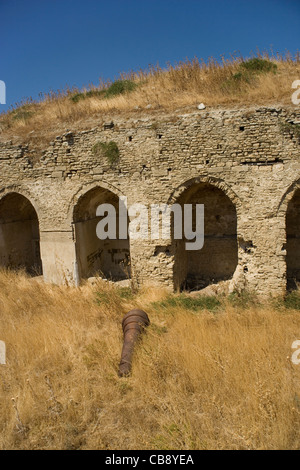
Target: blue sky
49	44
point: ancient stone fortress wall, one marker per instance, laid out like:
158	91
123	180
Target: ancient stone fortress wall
242	164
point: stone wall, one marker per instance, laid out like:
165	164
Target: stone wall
243	164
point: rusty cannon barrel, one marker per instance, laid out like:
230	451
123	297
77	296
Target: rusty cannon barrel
133	324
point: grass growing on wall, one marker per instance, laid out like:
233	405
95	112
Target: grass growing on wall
108	150
290	128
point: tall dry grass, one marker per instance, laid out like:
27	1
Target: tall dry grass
185	84
200	379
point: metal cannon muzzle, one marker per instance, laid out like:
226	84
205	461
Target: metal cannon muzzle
133	324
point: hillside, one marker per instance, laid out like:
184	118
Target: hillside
261	80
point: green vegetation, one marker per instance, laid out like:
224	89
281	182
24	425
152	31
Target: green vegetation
195	304
114	297
248	71
125	293
119	87
291	128
243	300
258	65
88	94
239	301
108	150
22	113
292	300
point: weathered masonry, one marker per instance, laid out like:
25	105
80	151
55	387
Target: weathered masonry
242	164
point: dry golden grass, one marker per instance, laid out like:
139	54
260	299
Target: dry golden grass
200	380
184	85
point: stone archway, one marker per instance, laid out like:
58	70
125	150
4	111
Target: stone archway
108	258
19	234
218	259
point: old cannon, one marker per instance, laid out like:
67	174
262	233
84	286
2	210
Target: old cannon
133	324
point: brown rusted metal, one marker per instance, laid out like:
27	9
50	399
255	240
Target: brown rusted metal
133	324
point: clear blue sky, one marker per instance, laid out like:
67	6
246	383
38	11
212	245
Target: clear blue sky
48	44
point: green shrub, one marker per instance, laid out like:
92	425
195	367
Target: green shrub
292	300
119	87
235	83
257	65
108	150
238	76
247	73
77	97
91	93
88	94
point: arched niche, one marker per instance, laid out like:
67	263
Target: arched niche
19	234
217	260
108	258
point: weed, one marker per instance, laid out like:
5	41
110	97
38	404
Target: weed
108	150
291	128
